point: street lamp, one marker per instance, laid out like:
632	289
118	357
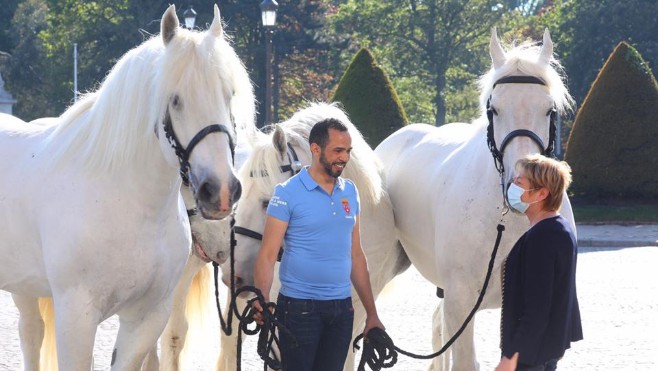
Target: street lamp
268	12
189	15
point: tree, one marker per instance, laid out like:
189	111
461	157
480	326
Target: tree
612	148
369	99
422	40
7	10
591	29
25	69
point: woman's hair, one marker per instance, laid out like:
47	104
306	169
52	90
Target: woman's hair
544	172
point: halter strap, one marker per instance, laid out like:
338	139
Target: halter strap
256	236
183	154
491	142
295	165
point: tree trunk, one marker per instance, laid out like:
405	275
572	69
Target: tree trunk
439	98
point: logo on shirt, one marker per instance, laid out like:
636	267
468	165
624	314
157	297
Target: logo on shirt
346	205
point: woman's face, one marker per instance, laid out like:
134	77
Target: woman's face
523	182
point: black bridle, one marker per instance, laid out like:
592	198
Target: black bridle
491	142
294	167
183	154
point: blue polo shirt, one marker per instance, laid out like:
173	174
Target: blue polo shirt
317	261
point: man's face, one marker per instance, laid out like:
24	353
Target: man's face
335	155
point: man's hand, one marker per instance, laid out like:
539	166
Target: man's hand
258	316
508	364
372	322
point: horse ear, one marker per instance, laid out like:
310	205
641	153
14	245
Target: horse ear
546	49
169	24
279	141
216	25
496	50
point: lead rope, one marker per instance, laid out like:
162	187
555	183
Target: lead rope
267	331
379	351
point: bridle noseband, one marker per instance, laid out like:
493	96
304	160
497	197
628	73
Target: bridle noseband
183	154
491	142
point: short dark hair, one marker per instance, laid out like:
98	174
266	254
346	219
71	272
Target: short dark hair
320	131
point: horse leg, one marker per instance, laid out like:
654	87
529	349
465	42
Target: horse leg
76	321
442	362
173	338
456	309
30	329
138	332
228	355
151	362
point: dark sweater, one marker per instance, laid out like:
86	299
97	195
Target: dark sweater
540	315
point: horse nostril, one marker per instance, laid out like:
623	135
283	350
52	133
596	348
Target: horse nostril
208	192
238	282
237	191
221	257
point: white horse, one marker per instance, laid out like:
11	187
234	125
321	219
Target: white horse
90	206
446	190
192	302
279	155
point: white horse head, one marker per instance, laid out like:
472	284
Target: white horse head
522	94
187	87
279	155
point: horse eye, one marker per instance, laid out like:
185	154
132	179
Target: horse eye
175	101
265	204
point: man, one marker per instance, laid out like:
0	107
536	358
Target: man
316	212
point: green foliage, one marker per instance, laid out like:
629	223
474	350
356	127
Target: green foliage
612	147
590	29
424	40
26	70
369	99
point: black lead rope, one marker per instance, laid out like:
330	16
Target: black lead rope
379	351
267	331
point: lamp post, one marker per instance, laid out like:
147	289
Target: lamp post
75	72
189	16
268	12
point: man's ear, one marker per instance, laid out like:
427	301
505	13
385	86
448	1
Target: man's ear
315	149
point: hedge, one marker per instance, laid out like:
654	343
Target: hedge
613	146
370	99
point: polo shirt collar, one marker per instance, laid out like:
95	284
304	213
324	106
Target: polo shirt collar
311	184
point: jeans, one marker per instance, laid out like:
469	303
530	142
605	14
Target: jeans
321	333
550	365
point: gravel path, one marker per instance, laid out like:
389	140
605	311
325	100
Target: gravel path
618	292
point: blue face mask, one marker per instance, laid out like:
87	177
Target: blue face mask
514	193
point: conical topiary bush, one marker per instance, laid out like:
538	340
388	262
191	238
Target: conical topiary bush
613	146
369	99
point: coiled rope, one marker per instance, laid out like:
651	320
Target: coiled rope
267	331
379	351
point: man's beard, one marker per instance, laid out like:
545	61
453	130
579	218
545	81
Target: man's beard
328	168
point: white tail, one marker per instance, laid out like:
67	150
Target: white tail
48	361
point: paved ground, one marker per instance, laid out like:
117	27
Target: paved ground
618	293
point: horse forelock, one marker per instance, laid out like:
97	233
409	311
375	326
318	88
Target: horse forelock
364	168
523	60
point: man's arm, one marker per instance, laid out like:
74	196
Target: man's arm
275	229
361	279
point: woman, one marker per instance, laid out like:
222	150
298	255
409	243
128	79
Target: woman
540	316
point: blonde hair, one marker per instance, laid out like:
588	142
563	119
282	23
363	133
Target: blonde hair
545	172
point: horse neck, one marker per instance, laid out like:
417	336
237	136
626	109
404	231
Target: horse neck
111	130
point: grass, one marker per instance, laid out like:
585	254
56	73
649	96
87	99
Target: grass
616	211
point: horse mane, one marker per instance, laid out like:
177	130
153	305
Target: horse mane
523	59
364	168
116	124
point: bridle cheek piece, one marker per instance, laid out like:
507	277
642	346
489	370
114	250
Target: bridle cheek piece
183	154
491	142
